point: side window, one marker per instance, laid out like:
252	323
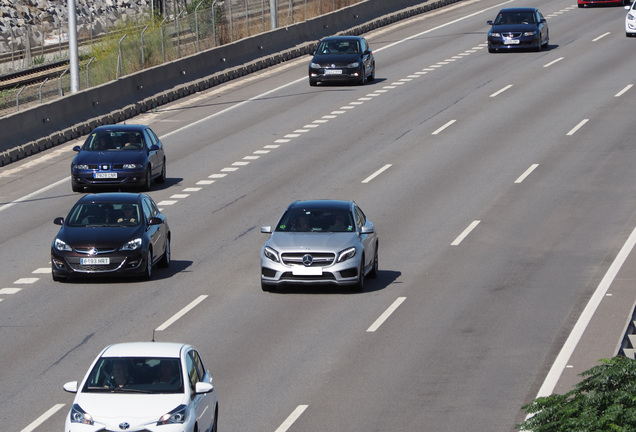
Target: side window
360	218
153	138
365	45
198	363
149	209
193	375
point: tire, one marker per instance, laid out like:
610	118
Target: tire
363	78
148	180
148	270
374	270
372	76
313	83
162	177
215	423
165	259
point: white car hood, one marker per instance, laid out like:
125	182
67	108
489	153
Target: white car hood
133	408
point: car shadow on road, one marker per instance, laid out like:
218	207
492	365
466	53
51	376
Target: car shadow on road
384	280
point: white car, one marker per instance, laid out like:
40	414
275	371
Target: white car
144	386
630	20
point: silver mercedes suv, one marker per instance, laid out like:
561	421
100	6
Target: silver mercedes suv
320	242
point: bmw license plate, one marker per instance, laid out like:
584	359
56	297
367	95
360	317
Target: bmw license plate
333	72
306	271
106	175
95	261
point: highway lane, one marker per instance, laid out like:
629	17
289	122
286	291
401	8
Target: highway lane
480	320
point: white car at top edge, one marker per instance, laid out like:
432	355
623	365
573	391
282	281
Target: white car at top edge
144	386
630	20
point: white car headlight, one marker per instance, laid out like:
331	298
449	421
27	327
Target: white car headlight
346	254
176	416
271	254
78	415
631	16
131	245
61	246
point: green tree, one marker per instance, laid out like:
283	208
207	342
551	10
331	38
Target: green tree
604	401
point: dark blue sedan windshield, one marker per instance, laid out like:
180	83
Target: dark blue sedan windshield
114	141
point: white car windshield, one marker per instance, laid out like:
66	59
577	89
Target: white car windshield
135	374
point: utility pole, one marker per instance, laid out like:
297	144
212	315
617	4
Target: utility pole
273	13
72	46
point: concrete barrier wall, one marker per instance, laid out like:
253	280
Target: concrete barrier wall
27	132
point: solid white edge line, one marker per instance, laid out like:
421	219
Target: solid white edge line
292	418
467	231
181	313
577	332
44	417
387	313
377	173
523	176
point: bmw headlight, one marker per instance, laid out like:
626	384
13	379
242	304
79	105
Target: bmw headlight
80	167
346	254
78	415
131	245
271	254
131	166
177	415
353	65
61	246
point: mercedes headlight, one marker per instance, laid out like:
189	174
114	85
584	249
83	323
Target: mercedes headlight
271	254
346	254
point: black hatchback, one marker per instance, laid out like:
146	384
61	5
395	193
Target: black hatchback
342	59
119	156
111	234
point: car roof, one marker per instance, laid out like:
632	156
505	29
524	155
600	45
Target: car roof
145	349
324	204
111	197
340	38
518	9
120	127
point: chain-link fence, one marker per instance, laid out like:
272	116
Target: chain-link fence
167	31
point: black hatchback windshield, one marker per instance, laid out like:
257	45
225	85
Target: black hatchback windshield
104	214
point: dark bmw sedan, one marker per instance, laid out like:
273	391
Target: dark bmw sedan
109	234
342	59
518	28
119	156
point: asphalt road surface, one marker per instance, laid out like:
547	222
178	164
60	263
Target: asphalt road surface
501	186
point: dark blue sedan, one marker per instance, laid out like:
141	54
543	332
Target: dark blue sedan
111	234
119	156
342	58
518	28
